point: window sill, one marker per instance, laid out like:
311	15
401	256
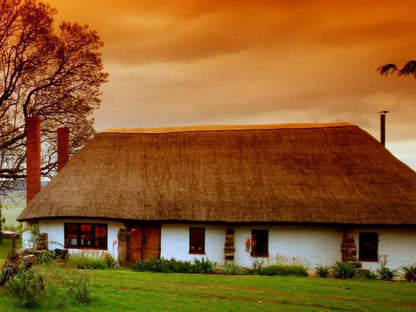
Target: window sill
197	252
368	260
86	247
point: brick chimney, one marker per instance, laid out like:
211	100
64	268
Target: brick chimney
32	129
63	147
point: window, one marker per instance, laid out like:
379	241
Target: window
197	240
368	247
259	243
81	235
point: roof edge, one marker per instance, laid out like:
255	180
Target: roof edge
229	127
241	223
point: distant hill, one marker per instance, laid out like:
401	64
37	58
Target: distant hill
14	203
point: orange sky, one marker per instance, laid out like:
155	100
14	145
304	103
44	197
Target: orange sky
196	62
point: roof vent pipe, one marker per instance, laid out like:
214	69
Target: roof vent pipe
63	147
33	170
383	127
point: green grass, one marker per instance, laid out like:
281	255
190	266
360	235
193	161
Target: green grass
124	290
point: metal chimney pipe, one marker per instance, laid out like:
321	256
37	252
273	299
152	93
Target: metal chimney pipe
383	127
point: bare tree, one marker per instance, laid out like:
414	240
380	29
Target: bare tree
408	69
55	74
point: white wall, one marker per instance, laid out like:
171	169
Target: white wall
398	244
308	245
175	242
55	230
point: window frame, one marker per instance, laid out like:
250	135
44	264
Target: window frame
366	241
196	249
254	252
78	233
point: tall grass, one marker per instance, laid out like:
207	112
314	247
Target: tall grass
281	265
92	260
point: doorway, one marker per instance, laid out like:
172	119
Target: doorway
144	242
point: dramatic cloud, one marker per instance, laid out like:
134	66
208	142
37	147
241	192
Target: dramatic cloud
242	61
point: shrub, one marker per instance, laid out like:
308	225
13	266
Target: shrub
203	266
182	266
257	265
110	260
79	288
368	274
155	265
284	270
25	287
344	269
409	272
174	266
46	256
322	270
386	274
233	269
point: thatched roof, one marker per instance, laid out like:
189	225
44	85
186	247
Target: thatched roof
330	173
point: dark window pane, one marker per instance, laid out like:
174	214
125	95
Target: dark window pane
85	235
259	243
196	240
368	246
100	236
71	234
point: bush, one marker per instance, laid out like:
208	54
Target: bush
344	269
369	274
25	287
174	266
409	272
110	260
233	269
284	270
79	288
203	266
386	274
46	256
322	270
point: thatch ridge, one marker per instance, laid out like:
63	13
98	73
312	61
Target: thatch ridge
228	127
328	174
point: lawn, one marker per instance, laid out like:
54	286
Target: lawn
125	290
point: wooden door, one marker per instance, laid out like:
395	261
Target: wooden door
151	241
144	242
135	244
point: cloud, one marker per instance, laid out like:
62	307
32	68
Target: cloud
243	61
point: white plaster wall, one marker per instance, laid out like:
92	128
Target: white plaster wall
310	245
175	242
307	245
55	230
398	244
